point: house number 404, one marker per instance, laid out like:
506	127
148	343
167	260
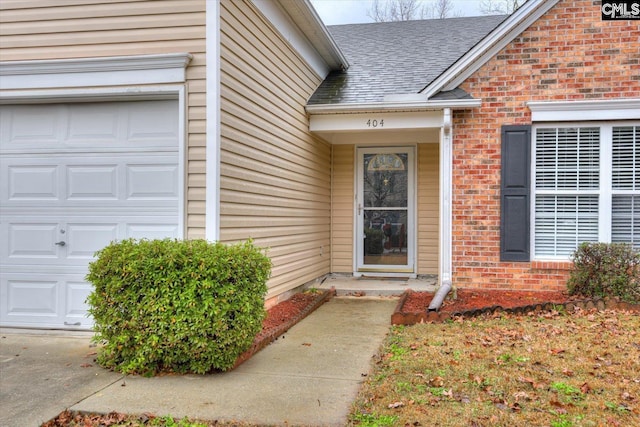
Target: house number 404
375	123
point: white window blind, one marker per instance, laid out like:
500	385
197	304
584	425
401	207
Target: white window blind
567	180
562	222
568	158
625	204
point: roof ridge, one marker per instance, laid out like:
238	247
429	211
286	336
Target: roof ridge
419	20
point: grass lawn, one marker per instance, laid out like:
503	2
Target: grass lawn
542	369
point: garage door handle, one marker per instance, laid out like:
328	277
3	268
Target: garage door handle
61	243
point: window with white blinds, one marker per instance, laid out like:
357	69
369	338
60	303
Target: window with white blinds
587	187
625	177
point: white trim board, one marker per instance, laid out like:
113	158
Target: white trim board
298	23
606	109
99	71
371	122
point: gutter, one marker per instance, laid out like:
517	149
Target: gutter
318	28
400	105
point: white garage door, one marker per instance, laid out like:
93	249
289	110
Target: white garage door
74	177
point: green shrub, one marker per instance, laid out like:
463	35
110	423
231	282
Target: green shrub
606	269
373	242
178	306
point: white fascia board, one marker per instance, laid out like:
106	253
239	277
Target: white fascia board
88	72
606	109
299	25
379	121
488	47
318	31
423	105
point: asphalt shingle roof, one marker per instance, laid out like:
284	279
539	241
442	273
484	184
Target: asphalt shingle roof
392	58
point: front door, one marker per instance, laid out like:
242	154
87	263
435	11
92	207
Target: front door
385	211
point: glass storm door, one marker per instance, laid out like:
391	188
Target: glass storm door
385	199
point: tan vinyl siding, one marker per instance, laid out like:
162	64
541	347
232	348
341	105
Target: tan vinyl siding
275	176
428	208
59	29
342	209
34	29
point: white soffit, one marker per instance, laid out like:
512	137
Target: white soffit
613	109
299	24
97	71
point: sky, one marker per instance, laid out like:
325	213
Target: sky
336	12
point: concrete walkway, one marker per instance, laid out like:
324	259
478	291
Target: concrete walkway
308	377
42	374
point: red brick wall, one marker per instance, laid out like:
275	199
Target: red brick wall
568	54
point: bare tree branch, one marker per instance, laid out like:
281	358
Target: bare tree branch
440	9
500	7
406	10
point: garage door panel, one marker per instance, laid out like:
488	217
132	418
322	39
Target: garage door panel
76	297
131	180
92	182
26	126
84	239
152	231
44	300
97	125
109	125
152	124
152	181
32	298
32	240
32	182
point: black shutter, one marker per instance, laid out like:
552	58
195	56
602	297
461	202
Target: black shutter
515	188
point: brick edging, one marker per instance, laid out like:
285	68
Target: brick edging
401	318
264	338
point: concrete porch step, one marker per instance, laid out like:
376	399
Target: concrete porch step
369	286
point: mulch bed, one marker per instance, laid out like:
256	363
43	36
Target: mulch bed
467	299
412	307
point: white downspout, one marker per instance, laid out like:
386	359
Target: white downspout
446	165
212	151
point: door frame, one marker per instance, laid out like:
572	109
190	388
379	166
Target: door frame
408	270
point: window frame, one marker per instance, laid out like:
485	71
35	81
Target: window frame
604	192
